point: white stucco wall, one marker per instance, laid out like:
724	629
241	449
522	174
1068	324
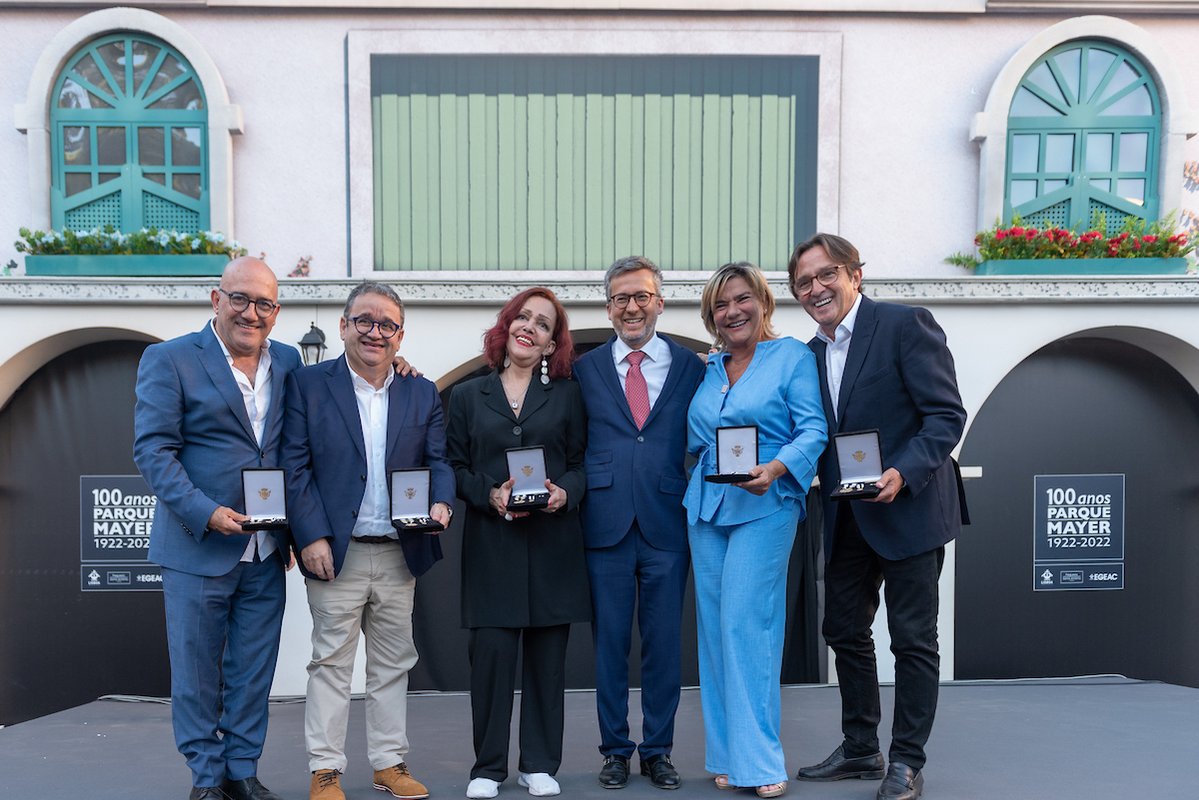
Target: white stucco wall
910	85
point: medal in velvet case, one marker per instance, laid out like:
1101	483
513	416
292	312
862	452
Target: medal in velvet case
526	466
410	501
264	498
736	454
860	458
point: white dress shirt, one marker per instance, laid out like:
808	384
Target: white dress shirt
655	367
837	351
257	397
374	515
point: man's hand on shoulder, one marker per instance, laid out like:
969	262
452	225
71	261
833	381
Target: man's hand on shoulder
404	369
889	485
227	521
318	559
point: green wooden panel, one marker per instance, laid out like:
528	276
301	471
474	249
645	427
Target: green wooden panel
562	162
110	93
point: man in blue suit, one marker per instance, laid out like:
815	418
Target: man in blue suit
883	366
637	388
208	405
348	424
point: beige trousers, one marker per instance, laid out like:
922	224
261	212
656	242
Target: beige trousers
373	594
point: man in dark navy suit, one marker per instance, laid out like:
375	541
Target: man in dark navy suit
637	388
883	366
208	405
348	424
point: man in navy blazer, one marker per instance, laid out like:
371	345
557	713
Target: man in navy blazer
636	389
208	405
348	424
887	367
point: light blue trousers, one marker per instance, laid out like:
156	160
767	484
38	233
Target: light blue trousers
740	600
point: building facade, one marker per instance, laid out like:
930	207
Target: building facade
461	151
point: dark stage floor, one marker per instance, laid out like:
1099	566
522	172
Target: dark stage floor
1098	739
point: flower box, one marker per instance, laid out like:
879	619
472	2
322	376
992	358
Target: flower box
1082	266
123	266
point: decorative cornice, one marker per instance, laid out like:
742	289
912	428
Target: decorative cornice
584	289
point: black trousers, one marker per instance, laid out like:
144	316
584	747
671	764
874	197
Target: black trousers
493	657
851	583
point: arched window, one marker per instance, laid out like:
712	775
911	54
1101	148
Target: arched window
1084	129
129	138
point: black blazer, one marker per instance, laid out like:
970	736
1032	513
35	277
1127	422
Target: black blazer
530	572
899	378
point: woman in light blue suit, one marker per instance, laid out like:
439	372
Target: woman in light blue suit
741	534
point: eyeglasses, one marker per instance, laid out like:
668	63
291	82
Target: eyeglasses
364	325
826	276
641	298
240	302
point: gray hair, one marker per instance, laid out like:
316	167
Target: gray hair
373	287
631	264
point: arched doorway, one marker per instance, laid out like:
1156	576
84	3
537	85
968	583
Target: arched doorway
62	646
1083	406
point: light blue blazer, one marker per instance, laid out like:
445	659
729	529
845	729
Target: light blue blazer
191	439
780	393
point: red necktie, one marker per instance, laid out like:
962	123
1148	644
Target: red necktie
635	390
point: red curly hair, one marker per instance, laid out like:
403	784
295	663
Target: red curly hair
495	339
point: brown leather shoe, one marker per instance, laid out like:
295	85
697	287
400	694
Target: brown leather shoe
326	785
399	781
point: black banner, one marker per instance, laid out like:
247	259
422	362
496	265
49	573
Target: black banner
1078	532
115	515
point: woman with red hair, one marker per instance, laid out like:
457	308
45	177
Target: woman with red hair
524	574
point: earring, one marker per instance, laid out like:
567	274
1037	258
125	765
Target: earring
507	361
545	371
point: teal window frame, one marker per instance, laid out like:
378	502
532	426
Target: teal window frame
1076	87
564	162
123	191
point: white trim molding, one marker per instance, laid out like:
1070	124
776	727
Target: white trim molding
989	127
33	116
570	37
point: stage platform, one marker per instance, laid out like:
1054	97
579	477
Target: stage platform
1064	739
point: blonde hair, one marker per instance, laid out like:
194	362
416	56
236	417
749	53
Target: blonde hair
757	285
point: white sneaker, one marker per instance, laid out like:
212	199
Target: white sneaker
541	784
482	787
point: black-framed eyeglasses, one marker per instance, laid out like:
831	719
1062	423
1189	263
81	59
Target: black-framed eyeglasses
364	325
640	298
826	276
240	302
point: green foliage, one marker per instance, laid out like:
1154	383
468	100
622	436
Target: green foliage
109	241
1136	239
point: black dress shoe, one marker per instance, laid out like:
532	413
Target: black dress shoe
837	767
902	783
614	774
248	789
207	793
660	771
